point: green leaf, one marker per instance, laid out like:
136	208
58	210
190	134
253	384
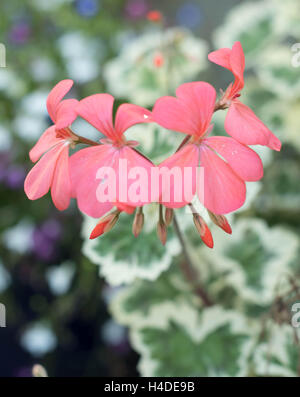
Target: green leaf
251	263
187	342
135	302
276	72
123	258
250	23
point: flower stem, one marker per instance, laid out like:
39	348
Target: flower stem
87	141
188	270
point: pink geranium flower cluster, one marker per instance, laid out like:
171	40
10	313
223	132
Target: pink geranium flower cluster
226	162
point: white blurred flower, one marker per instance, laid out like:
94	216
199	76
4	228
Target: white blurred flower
83	56
29	128
42	69
38	339
5	139
60	277
19	237
35	103
113	333
11	83
83	70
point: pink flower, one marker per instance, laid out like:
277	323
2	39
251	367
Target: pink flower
241	122
114	151
52	151
223	177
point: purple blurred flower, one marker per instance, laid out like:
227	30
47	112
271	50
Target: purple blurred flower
23	372
189	15
136	8
15	176
87	8
20	32
5	158
43	247
45	238
52	229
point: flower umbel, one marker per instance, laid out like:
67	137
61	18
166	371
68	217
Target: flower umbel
214	168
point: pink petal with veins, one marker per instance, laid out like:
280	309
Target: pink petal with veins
243	160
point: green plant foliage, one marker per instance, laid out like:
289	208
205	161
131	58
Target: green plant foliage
122	258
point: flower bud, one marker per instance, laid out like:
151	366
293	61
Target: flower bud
169	214
138	223
220	221
105	224
162	231
203	230
158	60
154	16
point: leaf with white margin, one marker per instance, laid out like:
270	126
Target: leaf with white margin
287	18
280	193
251	23
176	339
134	302
277	74
134	76
249	264
123	258
278	354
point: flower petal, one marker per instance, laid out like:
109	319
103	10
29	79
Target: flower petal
173	114
61	184
84	166
221	57
243	160
66	113
244	126
224	191
179	190
97	110
39	179
133	173
233	60
129	115
46	142
200	98
237	63
56	95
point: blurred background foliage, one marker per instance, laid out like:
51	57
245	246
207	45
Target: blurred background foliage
144	314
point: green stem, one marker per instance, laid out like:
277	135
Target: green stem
188	270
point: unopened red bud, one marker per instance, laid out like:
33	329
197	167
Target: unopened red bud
169	214
138	224
203	230
154	16
158	60
162	232
105	225
221	221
